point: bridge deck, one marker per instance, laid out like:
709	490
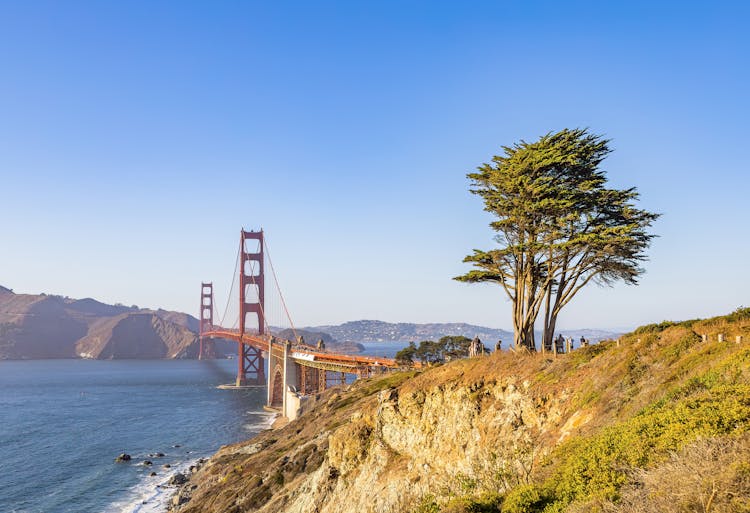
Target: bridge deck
304	354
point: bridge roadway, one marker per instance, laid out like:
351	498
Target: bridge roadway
306	355
295	371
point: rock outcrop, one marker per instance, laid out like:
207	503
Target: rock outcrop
385	444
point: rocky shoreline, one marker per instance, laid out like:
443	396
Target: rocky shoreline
184	487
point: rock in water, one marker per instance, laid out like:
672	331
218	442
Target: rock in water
122	458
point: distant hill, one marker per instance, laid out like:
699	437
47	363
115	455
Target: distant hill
48	326
380	331
312	337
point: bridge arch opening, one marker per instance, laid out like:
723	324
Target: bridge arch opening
277	388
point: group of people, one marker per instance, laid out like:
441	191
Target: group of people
564	345
561	345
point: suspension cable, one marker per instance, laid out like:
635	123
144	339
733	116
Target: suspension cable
281	295
231	287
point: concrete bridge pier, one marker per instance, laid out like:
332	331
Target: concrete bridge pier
283	377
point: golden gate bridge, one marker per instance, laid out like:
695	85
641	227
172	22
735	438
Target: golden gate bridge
295	369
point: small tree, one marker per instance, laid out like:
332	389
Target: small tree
405	357
558	227
455	346
429	351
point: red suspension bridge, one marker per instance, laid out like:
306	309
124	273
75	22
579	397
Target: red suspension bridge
296	369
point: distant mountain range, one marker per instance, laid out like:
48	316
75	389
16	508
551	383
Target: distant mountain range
378	331
48	326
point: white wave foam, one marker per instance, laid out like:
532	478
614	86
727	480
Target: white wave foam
152	494
266	422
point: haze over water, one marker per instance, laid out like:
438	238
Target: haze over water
63	422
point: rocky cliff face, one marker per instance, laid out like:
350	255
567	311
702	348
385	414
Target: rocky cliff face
508	432
43	326
385	445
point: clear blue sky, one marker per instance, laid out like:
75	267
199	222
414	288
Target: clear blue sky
136	138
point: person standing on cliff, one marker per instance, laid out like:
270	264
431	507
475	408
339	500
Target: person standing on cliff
475	349
559	344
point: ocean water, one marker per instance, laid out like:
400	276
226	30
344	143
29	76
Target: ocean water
386	349
63	422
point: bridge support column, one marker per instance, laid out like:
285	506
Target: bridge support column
302	373
279	369
291	399
322	380
286	380
205	344
251	366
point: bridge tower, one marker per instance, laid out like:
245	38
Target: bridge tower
206	345
251	366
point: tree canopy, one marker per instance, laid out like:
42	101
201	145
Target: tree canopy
449	347
558	226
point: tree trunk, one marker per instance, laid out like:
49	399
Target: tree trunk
530	342
547	334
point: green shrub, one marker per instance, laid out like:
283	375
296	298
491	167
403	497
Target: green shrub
428	504
682	346
489	503
524	499
742	313
595	467
654	328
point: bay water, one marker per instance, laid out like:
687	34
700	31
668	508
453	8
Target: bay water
63	423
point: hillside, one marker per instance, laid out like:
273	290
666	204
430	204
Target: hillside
312	338
657	421
380	331
46	326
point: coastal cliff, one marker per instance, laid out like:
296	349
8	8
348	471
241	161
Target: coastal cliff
600	429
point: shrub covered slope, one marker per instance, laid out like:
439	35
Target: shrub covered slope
657	421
